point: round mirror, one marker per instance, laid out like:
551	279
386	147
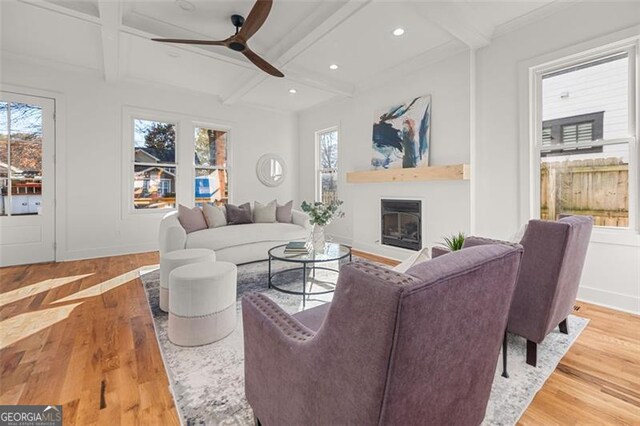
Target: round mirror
271	169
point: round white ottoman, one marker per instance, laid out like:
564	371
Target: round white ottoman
175	259
202	302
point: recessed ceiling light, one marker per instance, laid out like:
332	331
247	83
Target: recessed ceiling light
398	31
293	91
185	5
333	67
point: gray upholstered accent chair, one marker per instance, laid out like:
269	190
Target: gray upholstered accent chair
554	255
390	349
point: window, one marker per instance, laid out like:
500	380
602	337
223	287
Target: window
558	135
20	159
586	133
165	187
154	167
211	177
327	167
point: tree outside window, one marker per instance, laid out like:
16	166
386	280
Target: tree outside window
327	175
211	175
154	164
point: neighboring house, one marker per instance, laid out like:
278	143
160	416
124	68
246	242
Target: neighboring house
586	103
26	166
26	158
152	181
4	167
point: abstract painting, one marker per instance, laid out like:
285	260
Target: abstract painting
401	135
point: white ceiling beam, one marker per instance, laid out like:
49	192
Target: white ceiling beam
110	21
457	21
312	37
53	7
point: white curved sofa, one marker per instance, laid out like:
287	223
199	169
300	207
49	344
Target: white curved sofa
234	243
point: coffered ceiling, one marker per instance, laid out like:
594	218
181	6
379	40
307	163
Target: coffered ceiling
301	37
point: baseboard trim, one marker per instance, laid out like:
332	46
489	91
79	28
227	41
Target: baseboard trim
71	255
609	299
375	258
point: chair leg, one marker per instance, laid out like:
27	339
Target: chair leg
564	327
505	374
532	353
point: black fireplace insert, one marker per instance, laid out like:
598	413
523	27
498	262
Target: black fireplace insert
401	222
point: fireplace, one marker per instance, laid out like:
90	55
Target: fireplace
401	222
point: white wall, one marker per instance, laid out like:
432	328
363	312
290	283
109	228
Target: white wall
612	271
445	205
91	219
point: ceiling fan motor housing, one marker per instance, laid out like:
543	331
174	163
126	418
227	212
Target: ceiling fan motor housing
237	46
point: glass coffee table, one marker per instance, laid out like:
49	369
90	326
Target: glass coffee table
307	263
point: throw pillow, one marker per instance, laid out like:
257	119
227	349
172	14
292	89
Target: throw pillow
283	213
192	220
264	213
414	259
237	215
214	215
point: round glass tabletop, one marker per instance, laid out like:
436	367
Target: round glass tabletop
332	251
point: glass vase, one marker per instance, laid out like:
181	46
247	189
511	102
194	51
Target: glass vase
317	238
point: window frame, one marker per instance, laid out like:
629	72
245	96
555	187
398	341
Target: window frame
185	148
318	170
130	140
531	73
194	167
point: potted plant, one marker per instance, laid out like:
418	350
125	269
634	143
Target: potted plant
451	243
320	215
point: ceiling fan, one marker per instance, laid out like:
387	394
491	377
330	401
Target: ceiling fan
245	29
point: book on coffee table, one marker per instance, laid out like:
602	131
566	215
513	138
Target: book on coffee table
297	247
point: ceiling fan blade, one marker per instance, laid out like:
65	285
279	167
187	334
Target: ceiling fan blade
181	41
256	18
261	63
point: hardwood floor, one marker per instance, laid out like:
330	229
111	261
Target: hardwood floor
80	334
96	354
598	380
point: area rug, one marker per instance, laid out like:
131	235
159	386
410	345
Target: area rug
208	381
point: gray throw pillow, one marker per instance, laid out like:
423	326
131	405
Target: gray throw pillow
192	220
237	215
283	213
214	215
264	213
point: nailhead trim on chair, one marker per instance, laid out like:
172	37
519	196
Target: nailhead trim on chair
280	318
385	273
213	314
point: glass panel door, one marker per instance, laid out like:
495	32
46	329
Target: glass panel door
26	179
21	158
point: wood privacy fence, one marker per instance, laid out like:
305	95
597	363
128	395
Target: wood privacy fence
596	187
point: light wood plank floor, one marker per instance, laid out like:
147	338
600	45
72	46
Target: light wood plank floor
80	334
